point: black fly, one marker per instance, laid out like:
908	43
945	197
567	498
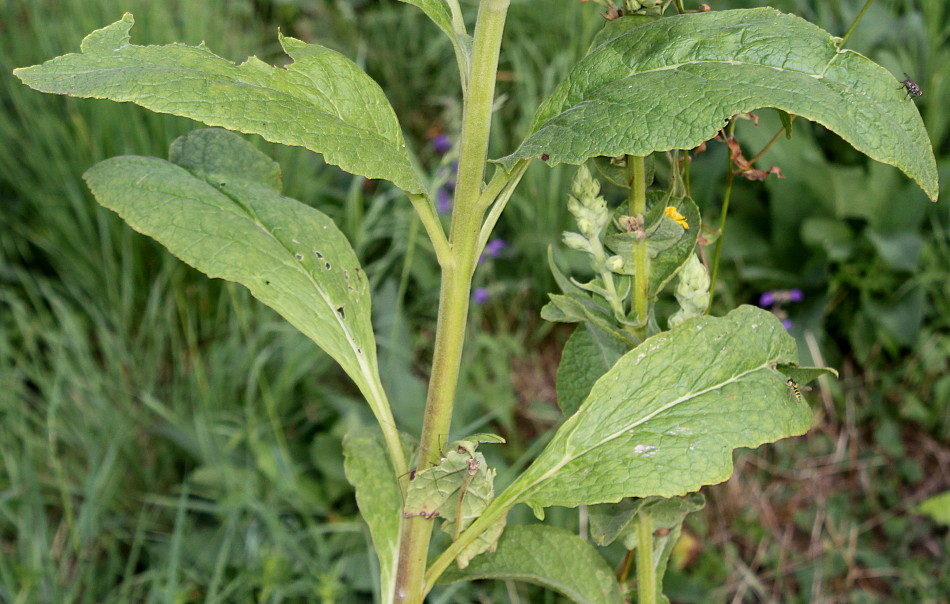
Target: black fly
912	87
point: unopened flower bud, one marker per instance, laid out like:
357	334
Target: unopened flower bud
584	186
615	264
576	241
692	291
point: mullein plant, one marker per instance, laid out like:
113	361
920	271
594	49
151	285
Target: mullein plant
651	414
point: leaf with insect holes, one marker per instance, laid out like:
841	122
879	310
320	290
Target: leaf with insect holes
547	556
216	205
379	499
666	417
674	82
458	490
321	101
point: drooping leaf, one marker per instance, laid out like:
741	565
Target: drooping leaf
461	486
609	521
379	499
666	418
673	83
322	101
551	557
216	207
458	490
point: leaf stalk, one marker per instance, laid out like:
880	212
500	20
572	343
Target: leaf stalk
646	572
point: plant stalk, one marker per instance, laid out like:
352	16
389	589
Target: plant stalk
717	254
636	176
646	573
854	25
456	285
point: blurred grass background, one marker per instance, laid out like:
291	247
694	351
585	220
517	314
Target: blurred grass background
165	438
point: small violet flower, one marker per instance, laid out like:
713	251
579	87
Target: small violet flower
493	249
441	143
787	324
443	200
780	296
480	295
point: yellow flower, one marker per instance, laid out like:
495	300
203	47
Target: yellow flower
671	213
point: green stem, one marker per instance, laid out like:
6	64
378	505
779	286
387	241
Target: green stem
722	229
430	220
456	285
646	573
636	175
854	24
497	195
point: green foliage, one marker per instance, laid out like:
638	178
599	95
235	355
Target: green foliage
937	508
275	472
377	493
547	556
322	101
721	64
665	419
217	206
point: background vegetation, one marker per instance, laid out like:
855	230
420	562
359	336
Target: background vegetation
165	438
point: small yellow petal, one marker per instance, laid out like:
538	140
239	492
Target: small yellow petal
671	213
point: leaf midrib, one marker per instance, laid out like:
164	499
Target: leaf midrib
217	78
570	458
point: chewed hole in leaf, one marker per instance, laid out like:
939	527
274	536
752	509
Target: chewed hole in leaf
299	257
327	265
339	311
318	255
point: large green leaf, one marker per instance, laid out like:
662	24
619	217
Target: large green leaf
546	556
666	418
379	499
673	83
216	206
322	101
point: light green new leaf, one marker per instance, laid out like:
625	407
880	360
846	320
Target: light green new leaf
673	83
379	499
322	101
937	507
546	556
666	418
217	207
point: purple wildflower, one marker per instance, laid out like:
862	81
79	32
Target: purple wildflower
441	143
767	299
493	249
443	201
480	295
795	295
787	324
